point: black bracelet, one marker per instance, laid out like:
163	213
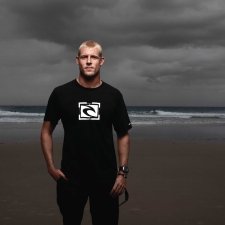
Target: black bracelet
122	174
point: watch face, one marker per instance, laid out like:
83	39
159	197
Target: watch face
124	169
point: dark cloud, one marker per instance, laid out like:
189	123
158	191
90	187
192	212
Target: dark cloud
177	23
184	66
64	22
153	49
173	6
155	23
31	52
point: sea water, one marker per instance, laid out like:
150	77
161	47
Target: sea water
139	115
22	123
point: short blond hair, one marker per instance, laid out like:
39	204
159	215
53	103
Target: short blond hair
90	44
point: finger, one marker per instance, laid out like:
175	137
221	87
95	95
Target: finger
118	187
113	190
62	175
118	190
55	176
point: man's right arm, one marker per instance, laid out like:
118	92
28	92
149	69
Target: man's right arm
47	149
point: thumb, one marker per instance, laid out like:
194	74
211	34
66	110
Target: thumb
62	175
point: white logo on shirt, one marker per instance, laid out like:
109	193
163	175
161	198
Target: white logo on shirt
89	111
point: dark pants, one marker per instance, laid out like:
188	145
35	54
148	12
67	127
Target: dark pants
72	198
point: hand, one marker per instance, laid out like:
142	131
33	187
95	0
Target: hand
56	174
119	186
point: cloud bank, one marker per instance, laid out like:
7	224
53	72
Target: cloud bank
157	52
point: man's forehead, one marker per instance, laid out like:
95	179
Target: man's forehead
89	50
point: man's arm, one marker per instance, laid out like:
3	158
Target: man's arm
123	145
47	149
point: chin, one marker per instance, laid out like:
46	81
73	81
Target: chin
88	76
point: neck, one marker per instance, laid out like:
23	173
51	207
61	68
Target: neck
89	83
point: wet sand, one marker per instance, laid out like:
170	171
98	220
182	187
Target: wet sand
172	182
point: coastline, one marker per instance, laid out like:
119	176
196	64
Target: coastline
26	132
176	178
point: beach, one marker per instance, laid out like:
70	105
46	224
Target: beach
177	176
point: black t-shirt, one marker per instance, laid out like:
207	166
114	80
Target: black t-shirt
88	115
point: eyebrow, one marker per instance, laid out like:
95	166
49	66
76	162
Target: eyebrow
96	56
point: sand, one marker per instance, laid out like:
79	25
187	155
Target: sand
172	181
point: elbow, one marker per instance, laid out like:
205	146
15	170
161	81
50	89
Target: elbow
125	137
124	140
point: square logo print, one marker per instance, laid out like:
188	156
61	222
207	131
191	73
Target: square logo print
89	111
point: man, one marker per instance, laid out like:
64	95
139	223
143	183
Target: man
88	108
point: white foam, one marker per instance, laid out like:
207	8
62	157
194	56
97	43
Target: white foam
10	113
20	120
167	114
142	117
20	117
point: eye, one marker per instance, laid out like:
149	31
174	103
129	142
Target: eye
95	57
92	57
83	57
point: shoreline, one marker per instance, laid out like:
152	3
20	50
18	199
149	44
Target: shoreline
26	132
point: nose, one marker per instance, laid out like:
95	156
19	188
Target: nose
89	60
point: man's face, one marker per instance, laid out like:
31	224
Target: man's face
89	62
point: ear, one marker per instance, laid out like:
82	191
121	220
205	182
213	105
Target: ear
102	61
77	60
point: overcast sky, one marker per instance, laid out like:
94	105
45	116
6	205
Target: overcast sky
158	52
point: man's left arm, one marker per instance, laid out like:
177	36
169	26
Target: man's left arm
123	146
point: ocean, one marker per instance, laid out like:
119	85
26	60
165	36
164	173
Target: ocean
139	115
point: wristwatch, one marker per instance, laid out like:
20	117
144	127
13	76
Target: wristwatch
123	171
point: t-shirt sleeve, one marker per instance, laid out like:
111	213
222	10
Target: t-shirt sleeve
52	112
121	121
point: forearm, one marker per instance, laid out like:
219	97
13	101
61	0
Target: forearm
47	149
47	145
123	145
